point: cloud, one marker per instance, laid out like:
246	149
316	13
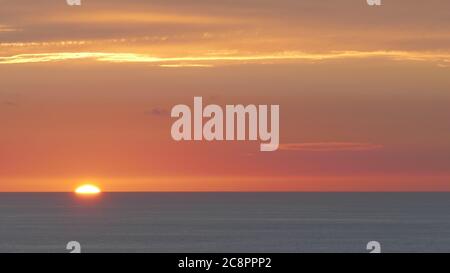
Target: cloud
124	17
185	65
330	147
208	59
5	28
230	25
158	112
10	103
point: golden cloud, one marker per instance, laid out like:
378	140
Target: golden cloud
220	59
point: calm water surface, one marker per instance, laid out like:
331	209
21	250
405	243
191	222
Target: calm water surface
225	222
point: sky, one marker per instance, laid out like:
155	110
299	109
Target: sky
86	94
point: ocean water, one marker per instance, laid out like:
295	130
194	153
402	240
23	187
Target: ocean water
225	222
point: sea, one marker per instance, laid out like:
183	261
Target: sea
225	222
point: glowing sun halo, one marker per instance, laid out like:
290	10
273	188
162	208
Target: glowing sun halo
88	189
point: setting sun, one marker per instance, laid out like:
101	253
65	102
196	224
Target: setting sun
88	189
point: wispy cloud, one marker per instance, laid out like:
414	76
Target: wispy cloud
4	28
130	17
10	103
220	59
158	112
186	65
330	146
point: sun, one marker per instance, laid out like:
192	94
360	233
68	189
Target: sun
88	189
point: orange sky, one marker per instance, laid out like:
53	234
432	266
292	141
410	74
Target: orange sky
86	93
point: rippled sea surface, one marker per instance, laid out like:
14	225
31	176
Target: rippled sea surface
225	222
